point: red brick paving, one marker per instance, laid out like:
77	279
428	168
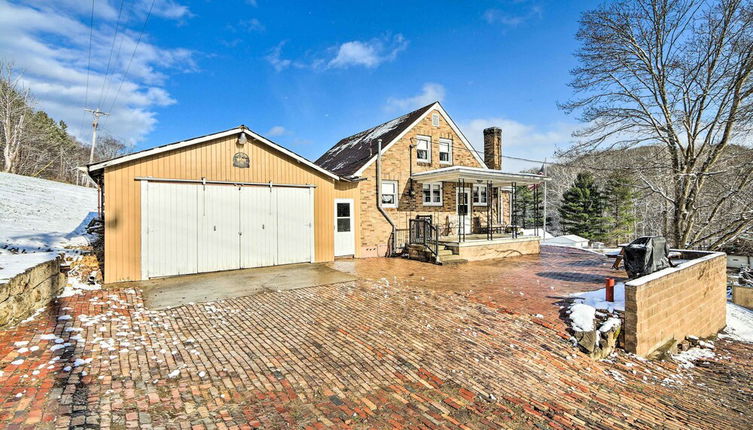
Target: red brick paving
364	354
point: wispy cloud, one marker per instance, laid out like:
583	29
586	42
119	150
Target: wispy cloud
277	130
355	53
513	16
430	92
49	43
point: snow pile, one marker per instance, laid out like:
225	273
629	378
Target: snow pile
582	317
739	323
686	359
37	215
15	264
597	299
75	287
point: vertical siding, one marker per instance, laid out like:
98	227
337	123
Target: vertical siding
212	160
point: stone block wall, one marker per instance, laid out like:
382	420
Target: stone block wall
499	249
29	291
742	296
673	303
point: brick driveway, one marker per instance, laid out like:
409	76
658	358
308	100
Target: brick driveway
374	353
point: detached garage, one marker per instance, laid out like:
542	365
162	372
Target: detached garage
226	201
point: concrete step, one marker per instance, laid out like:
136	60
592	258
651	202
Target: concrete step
452	259
443	252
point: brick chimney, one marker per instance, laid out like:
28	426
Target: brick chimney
493	148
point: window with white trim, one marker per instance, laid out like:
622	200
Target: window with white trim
432	194
445	151
480	197
423	149
435	120
389	194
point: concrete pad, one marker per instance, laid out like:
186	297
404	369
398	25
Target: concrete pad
207	287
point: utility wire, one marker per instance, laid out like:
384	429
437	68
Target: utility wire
133	54
88	64
112	50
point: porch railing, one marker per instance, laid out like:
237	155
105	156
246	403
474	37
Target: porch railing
423	232
399	240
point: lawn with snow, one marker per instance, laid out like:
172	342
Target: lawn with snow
40	216
739	323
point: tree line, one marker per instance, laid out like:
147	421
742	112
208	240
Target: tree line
34	144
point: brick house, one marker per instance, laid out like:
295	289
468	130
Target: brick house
429	170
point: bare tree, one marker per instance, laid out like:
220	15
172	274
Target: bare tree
14	110
674	74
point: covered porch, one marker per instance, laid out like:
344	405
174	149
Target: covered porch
487	222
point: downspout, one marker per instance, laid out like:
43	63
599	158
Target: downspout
379	193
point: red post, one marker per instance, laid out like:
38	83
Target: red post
610	289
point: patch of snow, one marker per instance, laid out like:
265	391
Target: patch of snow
64	317
582	316
174	374
687	358
609	324
739	323
20	343
12	265
37	215
48	337
17	362
598	298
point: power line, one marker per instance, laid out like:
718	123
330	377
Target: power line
89	61
112	49
133	54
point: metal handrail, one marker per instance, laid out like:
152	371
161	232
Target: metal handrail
423	232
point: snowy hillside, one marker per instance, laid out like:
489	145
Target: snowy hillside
37	215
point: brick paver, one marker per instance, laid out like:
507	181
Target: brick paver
373	353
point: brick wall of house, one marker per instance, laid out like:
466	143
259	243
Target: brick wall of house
396	165
676	302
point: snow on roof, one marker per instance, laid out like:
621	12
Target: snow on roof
350	153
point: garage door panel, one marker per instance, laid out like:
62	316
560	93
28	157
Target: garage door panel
171	229
294	225
219	218
258	247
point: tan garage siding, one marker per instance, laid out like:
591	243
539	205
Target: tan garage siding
212	160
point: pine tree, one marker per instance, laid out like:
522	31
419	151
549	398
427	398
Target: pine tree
581	210
620	195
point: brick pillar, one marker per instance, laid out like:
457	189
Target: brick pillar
493	148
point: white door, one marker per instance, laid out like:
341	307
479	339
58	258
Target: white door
169	229
463	206
294	225
219	228
258	227
345	240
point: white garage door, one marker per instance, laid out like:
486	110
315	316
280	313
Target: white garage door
194	227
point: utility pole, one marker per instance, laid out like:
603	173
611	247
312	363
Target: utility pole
96	113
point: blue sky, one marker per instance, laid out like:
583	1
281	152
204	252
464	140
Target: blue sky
303	74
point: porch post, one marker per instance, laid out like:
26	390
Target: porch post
536	209
514	215
489	191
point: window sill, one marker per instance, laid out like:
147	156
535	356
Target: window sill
433	204
446	163
479	204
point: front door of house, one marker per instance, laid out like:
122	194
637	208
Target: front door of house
345	240
463	210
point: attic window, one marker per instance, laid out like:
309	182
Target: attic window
435	120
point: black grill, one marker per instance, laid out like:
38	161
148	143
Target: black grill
646	255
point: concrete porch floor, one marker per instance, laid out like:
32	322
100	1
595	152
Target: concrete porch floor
206	287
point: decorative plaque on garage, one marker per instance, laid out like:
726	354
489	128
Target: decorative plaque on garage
241	160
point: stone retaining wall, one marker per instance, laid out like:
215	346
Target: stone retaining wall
742	296
29	291
673	303
501	248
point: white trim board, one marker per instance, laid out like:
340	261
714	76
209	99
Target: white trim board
447	118
202	139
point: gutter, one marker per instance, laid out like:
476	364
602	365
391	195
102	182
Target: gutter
379	191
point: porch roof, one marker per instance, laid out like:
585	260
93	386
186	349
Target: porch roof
477	174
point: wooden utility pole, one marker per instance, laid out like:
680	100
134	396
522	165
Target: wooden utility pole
96	113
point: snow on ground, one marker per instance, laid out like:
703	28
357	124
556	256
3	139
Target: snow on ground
598	298
13	264
39	219
739	323
37	215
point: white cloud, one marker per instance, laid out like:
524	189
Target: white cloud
512	19
356	53
277	130
521	140
430	93
49	44
369	53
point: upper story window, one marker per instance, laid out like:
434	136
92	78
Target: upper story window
432	194
480	196
423	149
445	151
389	194
435	120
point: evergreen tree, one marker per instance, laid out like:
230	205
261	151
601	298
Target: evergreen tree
525	207
620	196
581	209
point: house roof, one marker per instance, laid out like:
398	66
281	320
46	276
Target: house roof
95	167
351	153
497	177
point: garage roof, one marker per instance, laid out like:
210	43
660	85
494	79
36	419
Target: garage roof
95	167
